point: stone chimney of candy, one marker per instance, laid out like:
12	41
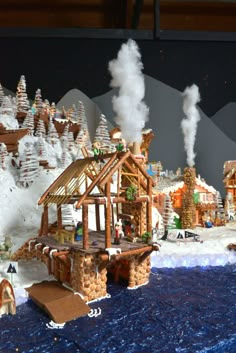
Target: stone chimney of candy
189	208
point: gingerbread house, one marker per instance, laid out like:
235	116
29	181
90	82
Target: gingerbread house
113	184
229	174
203	197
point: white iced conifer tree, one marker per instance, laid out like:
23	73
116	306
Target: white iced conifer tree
82	121
40	129
38	101
3	156
40	147
21	96
64	138
52	110
80	142
66	158
46	107
52	136
220	212
1	94
168	214
29	166
88	143
102	135
80	139
71	142
29	122
14	105
81	114
65	131
72	114
7	116
6	107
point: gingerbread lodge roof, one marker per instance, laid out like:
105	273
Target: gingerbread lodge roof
79	179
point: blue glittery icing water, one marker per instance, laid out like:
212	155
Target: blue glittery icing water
180	310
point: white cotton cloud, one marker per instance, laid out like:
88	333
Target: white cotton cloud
132	112
189	124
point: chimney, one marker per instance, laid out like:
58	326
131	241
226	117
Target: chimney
135	149
189	208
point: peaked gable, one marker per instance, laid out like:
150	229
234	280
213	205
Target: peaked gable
70	184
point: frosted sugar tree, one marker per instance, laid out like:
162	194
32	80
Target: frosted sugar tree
46	107
3	156
38	101
40	129
102	135
87	141
82	121
52	110
80	142
1	94
72	114
14	104
64	138
64	142
29	122
29	166
65	132
41	149
66	158
168	215
7	116
52	136
21	96
80	139
220	212
71	141
6	107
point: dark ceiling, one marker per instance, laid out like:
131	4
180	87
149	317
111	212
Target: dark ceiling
125	14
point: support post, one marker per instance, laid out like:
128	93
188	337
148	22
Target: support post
149	205
97	212
85	226
59	217
108	215
45	221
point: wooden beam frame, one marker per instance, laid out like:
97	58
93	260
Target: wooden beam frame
97	215
108	215
96	179
45	221
59	217
85	227
149	207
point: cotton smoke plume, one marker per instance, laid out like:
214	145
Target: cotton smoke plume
126	72
189	124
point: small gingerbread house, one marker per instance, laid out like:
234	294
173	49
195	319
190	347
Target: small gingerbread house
204	196
229	180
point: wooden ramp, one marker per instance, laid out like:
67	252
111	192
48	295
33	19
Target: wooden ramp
61	304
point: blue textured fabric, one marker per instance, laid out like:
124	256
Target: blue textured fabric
180	310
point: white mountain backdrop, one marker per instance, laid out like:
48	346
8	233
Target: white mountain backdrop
225	119
215	139
212	146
